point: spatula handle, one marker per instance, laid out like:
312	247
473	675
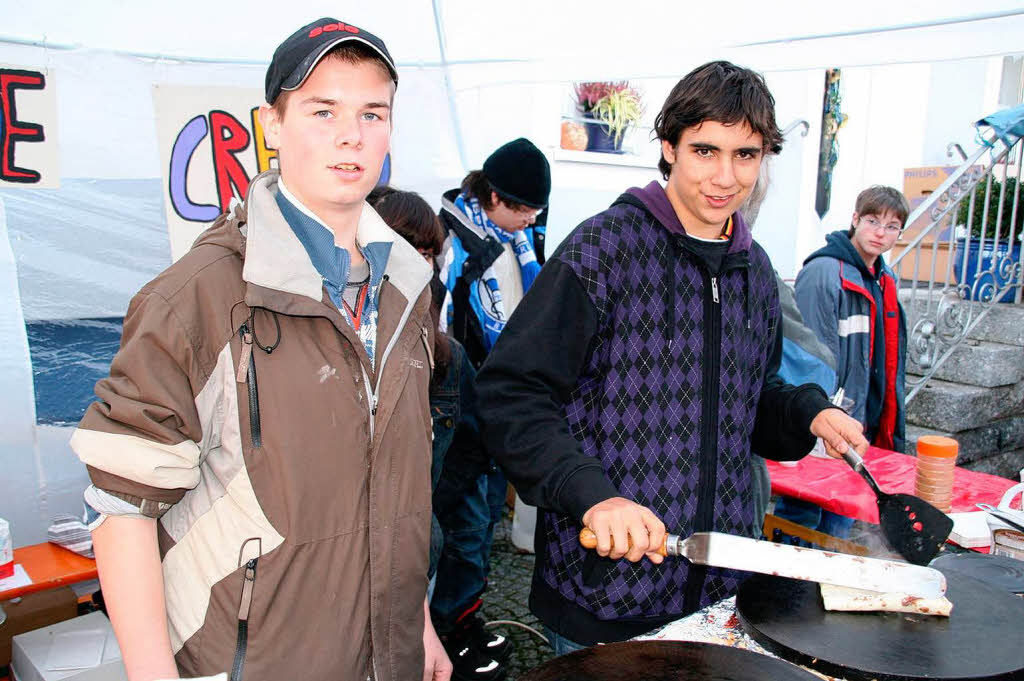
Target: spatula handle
588	540
857	463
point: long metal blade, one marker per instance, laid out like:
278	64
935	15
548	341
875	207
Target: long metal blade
740	553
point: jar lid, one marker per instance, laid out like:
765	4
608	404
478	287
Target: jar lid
936	445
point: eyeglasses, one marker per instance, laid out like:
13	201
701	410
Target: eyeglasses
874	224
529	212
525	211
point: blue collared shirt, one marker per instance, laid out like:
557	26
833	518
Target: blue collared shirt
334	263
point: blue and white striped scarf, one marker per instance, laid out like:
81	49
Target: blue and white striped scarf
488	307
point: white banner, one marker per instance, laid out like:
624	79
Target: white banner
211	146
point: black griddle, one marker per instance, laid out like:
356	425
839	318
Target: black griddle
666	661
1001	571
982	639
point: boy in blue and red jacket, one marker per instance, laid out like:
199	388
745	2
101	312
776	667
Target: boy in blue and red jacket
848	295
626	391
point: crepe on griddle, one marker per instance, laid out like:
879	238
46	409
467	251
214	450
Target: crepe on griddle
848	599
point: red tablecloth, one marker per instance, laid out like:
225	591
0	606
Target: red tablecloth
832	484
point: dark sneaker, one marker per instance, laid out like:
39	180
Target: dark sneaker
488	641
469	664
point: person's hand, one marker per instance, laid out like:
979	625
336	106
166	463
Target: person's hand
625	528
837	431
436	665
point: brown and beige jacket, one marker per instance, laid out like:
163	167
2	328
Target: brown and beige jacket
291	479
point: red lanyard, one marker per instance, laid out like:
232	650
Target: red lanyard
357	315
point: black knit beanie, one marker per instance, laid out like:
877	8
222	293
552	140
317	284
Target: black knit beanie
518	172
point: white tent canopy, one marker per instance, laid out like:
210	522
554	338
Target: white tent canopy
639	38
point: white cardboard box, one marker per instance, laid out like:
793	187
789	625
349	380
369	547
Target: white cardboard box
31	652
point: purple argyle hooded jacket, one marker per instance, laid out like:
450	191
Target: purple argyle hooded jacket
667	400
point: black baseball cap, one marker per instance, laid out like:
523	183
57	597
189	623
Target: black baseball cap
298	55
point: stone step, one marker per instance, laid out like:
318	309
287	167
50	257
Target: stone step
976	444
1005	465
952	407
1003	323
980	363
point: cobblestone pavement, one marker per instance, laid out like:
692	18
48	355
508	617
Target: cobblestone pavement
507	598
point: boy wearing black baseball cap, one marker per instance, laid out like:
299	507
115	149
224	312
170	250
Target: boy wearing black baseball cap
278	528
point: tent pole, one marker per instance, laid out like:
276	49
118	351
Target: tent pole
453	109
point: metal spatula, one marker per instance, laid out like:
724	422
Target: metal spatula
914	528
827	567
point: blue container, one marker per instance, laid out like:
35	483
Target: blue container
988	278
600	139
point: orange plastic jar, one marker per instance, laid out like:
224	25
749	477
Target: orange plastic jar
936	461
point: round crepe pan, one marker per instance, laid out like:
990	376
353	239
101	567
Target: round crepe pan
980	640
666	661
1000	571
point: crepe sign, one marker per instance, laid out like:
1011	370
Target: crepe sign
211	145
28	129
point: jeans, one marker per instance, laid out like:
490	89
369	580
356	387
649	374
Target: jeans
813	516
560	644
465	559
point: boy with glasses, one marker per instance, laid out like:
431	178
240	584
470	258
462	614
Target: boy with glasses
848	296
495	225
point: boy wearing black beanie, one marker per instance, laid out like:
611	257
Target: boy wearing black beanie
495	225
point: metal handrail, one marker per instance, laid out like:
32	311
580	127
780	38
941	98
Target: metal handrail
952	307
799	123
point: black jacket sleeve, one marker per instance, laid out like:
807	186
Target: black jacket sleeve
523	385
782	427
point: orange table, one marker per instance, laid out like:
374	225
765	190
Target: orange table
49	566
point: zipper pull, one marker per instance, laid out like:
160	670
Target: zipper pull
247	584
373	410
242	373
714	289
425	337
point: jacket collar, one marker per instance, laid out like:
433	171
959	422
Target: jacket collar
654	200
275	257
838	246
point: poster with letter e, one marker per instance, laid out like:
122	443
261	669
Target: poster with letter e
28	128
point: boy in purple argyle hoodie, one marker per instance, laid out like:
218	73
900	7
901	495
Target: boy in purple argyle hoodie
628	388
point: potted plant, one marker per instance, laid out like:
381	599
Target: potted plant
614	106
1008	245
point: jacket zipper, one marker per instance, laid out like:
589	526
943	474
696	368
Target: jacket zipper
425	339
708	483
242	643
246	373
711	357
373	397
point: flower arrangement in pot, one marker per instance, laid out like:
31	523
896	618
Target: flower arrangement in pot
615	106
